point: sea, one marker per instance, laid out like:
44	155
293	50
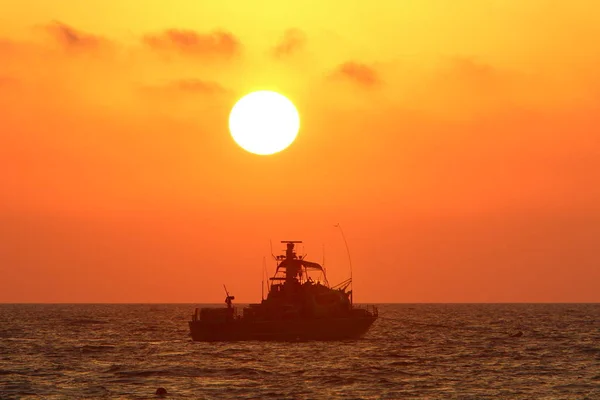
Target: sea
413	351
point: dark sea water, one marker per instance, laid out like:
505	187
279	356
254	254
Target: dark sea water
452	351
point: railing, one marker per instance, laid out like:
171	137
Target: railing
237	312
367	307
209	313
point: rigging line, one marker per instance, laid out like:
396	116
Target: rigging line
349	260
323	264
271	244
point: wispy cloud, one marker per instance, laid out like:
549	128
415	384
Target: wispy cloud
186	86
358	73
192	43
467	84
468	70
293	40
72	38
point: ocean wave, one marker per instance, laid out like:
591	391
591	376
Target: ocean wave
439	351
84	321
86	349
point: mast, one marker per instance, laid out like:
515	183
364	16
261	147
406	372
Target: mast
292	265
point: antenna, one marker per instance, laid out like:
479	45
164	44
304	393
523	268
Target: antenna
266	275
262	282
228	298
226	292
349	260
323	264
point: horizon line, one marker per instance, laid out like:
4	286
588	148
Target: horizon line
246	303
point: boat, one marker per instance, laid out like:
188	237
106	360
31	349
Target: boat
297	308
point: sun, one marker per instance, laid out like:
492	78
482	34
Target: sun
264	122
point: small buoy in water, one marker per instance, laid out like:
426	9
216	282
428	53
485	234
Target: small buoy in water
161	391
517	334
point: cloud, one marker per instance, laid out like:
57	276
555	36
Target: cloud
358	73
186	86
478	75
71	38
465	85
292	41
197	86
189	42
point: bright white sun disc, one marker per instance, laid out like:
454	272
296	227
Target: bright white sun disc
264	122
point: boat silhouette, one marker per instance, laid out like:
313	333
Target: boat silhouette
296	308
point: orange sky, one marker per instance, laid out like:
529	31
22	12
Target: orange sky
458	144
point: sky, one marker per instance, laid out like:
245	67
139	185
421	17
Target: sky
456	143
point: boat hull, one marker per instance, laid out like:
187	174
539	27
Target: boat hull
341	328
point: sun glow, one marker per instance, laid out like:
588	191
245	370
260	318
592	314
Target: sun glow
264	122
